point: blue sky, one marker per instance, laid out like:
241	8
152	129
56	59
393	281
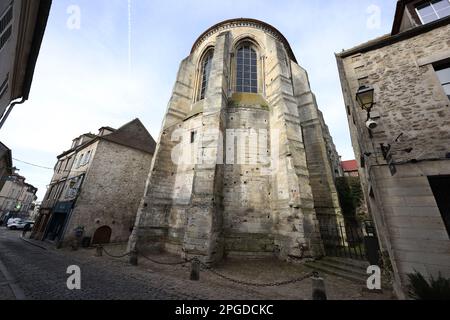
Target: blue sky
82	80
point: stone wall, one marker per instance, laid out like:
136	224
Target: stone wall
320	152
248	219
412	111
111	191
217	207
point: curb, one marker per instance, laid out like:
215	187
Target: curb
32	243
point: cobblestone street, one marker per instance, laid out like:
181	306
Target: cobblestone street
41	274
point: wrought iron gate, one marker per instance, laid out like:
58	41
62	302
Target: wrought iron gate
344	241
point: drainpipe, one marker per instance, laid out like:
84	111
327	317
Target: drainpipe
12	105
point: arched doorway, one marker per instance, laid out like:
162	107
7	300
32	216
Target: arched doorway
102	235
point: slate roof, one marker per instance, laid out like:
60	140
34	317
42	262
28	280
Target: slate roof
133	135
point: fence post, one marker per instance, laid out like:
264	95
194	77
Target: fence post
318	288
99	251
134	258
195	270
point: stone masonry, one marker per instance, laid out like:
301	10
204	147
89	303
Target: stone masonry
413	115
240	173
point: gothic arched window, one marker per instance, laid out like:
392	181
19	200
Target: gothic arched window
206	71
246	69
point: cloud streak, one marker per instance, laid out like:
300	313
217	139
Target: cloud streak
81	81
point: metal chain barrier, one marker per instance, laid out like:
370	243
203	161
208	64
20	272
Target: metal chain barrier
216	273
113	256
165	263
145	257
260	285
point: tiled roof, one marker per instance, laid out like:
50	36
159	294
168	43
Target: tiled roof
349	166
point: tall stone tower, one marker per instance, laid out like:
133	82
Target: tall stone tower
245	164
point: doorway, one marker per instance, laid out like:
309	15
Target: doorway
441	190
56	228
102	235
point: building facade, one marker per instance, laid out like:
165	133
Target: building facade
97	185
350	168
404	157
16	198
245	164
6	164
22	26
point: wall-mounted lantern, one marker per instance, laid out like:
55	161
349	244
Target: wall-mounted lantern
365	97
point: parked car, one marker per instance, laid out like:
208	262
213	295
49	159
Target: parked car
13	220
28	226
5	219
19	224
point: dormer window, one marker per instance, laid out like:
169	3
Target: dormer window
433	10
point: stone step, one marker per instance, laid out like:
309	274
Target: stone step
349	262
336	272
343	267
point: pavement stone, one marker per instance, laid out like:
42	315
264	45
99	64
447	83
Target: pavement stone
41	273
5	290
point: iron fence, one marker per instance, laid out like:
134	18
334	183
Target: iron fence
343	241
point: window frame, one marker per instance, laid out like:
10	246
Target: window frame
443	65
204	78
429	2
80	161
67	163
253	47
193	136
87	157
8	27
58	166
207	53
4	86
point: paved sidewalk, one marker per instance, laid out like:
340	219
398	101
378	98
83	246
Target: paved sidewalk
110	278
211	286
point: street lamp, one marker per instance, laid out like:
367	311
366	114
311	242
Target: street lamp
364	96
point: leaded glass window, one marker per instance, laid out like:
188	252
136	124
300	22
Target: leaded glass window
206	71
246	69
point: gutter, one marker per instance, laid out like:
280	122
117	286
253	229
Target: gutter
41	24
11	107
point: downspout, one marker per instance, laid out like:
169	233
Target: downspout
12	105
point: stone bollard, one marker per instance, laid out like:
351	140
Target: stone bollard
318	288
134	258
74	245
195	270
99	251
